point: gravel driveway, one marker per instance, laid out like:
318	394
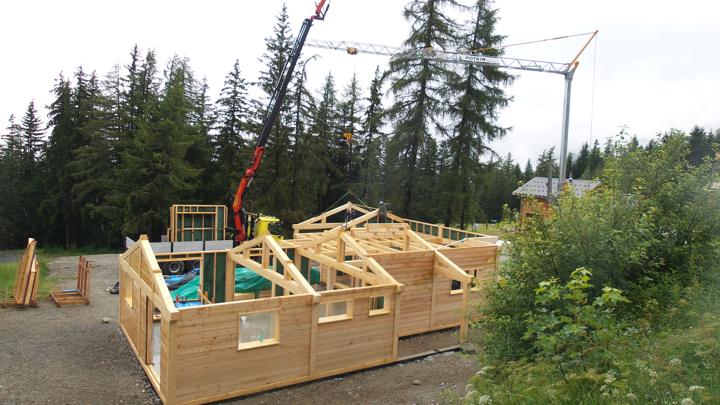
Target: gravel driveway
69	355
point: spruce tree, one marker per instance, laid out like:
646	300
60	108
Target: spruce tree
349	120
271	184
476	100
326	151
14	218
231	136
582	162
31	131
528	173
372	144
302	200
420	91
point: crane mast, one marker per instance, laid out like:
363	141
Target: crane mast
271	114
567	70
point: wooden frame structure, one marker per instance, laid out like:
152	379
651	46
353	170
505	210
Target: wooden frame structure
81	293
193	222
27	279
378	282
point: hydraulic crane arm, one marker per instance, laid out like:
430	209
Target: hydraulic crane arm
270	116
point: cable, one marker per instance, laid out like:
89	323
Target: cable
529	42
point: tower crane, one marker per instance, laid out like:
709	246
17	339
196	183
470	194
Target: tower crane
475	58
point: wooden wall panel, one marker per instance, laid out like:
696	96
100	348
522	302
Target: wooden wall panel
447	308
472	257
360	340
208	362
415	271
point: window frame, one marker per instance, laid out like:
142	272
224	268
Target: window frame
128	290
380	311
474	283
348	315
260	343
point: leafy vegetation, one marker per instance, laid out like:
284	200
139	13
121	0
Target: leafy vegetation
614	299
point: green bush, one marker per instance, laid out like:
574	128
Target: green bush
651	230
607	300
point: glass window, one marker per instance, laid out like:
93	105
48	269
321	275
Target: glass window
379	306
335	311
258	329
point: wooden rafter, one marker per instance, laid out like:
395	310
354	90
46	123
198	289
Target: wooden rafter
443	265
295	283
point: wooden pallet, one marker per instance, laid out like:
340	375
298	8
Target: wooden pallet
81	293
27	280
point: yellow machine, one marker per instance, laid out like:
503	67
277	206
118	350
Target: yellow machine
259	225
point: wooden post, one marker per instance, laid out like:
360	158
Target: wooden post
265	262
313	335
229	278
464	326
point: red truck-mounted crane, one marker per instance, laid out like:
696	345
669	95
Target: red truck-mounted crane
270	116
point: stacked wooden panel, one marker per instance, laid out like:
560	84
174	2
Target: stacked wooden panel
81	293
27	279
197	222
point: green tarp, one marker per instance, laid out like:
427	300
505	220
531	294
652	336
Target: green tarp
246	281
188	291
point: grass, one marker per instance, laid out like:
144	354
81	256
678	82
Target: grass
54	251
7	279
493	229
45	255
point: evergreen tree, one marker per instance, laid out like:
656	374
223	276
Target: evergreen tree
529	173
547	162
303	104
325	167
57	206
595	162
478	97
95	163
701	146
159	156
420	91
14	219
372	144
31	131
349	117
272	182
230	140
582	162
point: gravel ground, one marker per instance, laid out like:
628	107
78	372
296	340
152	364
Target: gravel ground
69	356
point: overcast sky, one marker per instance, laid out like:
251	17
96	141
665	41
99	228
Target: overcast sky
655	65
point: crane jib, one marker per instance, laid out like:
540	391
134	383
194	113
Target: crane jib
487	60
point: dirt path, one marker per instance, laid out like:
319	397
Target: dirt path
69	356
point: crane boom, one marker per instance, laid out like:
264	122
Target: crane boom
470	58
567	70
271	114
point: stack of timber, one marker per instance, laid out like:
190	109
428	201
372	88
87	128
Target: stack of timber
81	293
27	279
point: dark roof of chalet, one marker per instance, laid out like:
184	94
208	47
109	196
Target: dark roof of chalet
537	187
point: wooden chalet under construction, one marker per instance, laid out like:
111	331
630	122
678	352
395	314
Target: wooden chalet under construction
381	277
